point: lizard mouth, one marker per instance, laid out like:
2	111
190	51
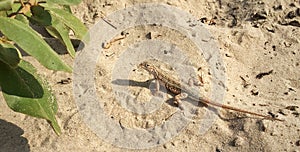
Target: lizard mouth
143	65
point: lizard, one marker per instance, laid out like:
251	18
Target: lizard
182	90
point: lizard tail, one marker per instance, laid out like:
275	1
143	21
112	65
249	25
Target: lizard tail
237	109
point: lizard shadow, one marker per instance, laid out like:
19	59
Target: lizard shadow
126	82
170	101
144	84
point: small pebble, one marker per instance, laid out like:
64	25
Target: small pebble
150	124
153	35
297	143
166	146
261	126
238	141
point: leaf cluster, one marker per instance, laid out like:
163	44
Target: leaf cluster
23	89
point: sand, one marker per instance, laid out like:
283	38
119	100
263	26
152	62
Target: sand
259	54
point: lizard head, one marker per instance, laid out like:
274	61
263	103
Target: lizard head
147	66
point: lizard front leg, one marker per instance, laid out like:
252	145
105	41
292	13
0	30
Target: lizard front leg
156	89
157	86
197	82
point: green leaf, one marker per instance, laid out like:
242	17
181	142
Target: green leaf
67	8
65	2
32	43
3	13
70	21
55	5
9	54
22	18
16	7
25	92
5	5
40	16
53	32
60	31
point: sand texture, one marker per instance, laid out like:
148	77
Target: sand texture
252	63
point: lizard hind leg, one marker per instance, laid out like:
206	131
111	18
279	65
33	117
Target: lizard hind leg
178	98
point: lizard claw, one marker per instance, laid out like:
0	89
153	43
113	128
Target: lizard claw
179	104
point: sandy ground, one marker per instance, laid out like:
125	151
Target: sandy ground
253	37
